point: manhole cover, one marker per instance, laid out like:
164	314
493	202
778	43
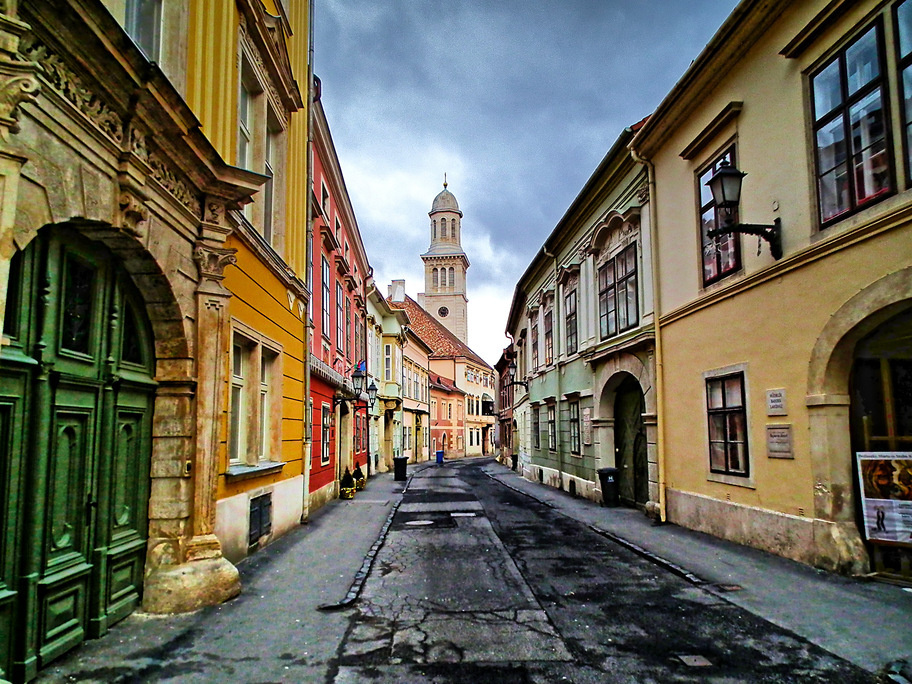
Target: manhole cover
419	523
695	661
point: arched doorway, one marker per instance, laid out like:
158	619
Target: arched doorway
630	443
76	403
881	428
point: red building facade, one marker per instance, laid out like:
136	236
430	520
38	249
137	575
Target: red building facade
337	272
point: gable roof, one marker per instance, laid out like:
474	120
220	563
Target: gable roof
441	383
442	342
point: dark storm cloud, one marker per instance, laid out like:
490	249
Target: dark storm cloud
517	100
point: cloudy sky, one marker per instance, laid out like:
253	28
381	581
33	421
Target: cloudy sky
515	100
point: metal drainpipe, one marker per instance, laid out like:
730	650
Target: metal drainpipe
308	218
656	306
554	320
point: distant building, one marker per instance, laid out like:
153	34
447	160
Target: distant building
445	266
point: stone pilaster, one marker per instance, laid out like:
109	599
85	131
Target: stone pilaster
204	576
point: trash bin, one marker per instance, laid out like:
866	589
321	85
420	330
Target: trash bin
399	463
513	459
440	457
608	478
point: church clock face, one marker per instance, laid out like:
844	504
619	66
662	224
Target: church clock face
443	312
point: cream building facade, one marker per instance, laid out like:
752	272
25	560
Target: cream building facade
775	373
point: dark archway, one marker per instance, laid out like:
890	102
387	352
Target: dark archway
881	433
630	443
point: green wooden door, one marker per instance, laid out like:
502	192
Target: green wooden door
76	395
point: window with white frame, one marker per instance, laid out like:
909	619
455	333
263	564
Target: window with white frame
570	313
144	25
549	337
618	298
326	303
340	317
326	434
388	362
533	341
574	417
552	428
536	428
254	411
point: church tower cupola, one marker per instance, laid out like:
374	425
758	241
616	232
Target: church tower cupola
445	266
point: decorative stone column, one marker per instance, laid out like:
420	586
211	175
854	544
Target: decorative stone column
18	84
203	576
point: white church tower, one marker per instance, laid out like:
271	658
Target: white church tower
445	266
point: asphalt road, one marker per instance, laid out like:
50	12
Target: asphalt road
479	583
475	582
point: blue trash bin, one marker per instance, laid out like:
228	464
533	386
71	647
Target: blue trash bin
439	457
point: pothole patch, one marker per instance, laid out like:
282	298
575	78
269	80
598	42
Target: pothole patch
694	661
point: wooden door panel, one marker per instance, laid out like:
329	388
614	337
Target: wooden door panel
62	622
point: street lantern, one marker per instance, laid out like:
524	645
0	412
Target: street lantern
725	186
511	369
371	394
358	381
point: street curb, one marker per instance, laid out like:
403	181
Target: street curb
367	565
627	544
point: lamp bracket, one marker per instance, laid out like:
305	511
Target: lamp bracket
771	233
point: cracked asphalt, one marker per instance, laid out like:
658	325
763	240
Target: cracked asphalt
459	578
477	582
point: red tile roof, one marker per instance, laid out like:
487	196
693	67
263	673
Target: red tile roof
443	343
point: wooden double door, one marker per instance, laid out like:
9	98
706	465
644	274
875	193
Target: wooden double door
630	444
76	400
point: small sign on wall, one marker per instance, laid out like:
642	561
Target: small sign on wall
587	426
775	402
779	441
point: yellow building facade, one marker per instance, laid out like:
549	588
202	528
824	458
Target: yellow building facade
776	372
250	94
153	203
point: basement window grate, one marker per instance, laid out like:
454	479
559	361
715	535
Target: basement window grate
260	518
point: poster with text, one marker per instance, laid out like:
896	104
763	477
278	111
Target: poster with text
886	495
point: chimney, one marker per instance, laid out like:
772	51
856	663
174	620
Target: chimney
397	291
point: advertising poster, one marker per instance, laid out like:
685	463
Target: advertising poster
886	495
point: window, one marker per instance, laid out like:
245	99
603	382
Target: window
434	279
904	40
450	411
326	435
340	317
245	116
574	428
143	25
618	298
324	199
388	362
237	437
549	338
348	329
326	304
268	186
721	254
850	131
254	413
536	428
552	434
727	416
534	343
570	305
267	363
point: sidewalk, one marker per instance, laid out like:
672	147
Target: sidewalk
273	631
868	623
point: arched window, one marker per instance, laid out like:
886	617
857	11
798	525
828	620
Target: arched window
453	228
452	277
433	230
435	279
443	233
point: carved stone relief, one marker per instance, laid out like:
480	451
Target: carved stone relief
211	261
